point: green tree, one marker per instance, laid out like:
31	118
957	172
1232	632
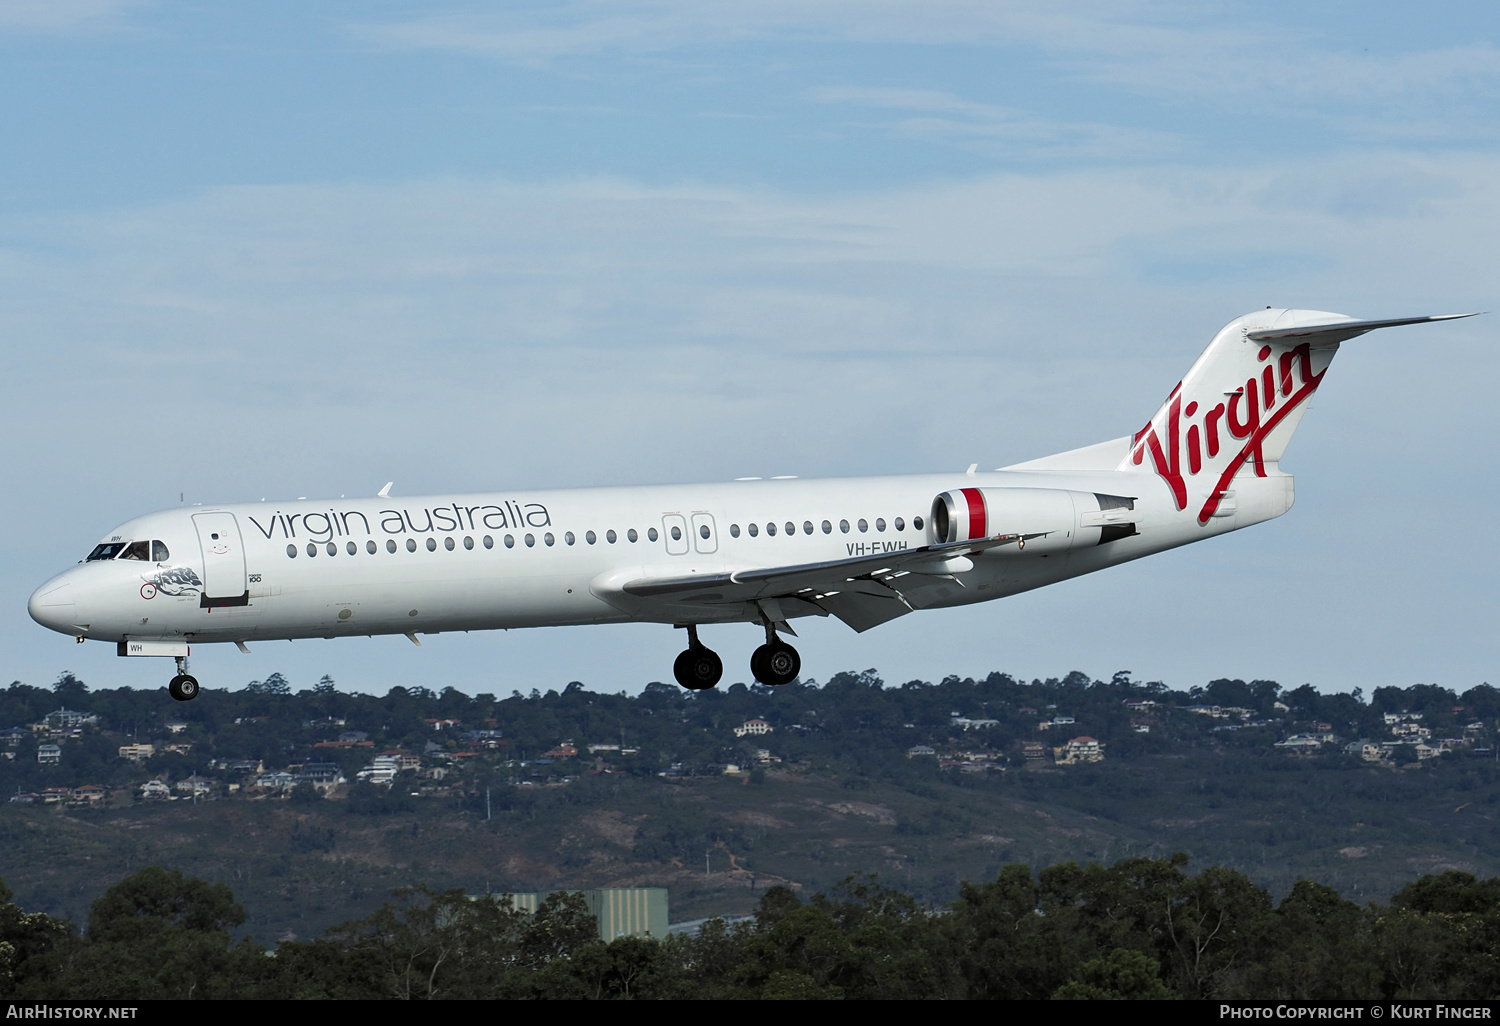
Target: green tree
158	934
1124	975
29	942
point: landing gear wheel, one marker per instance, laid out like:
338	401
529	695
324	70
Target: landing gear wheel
183	687
775	663
698	668
758	671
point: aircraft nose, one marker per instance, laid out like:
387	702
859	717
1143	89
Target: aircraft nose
53	606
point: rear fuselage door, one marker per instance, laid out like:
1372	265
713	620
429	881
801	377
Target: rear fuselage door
675	530
705	536
224	582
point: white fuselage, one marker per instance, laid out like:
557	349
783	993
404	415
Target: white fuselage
528	559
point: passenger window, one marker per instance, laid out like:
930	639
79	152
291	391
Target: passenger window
900	524
510	541
631	534
676	534
448	544
771	530
591	537
807	527
703	532
791	528
753	529
916	522
159	553
489	542
351	548
370	547
531	541
431	544
610	536
390	545
568	537
548	538
880	523
651	533
827	527
138	550
333	548
291	552
312	550
863	525
734	530
411	545
468	542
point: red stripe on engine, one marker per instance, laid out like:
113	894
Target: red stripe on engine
976	513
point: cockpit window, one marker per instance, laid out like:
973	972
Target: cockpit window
109	550
159	553
137	550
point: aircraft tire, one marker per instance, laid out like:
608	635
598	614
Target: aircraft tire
758	670
183	687
698	668
776	663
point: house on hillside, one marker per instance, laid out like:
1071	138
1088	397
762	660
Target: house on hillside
49	755
194	785
1301	743
1369	751
916	751
67	719
1079	750
756	726
137	753
88	794
155	790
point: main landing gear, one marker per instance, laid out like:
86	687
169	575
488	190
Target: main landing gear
775	662
699	668
184	686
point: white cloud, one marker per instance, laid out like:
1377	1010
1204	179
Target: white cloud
52	16
999	131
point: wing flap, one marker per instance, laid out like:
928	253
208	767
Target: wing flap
862	591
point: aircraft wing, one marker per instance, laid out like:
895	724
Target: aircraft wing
862	591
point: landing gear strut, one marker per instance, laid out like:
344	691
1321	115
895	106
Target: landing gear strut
775	662
184	686
697	668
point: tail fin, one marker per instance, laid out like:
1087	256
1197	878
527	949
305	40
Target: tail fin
1242	400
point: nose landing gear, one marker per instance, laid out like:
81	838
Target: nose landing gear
775	662
184	686
697	668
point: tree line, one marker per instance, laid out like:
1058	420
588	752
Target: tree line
1140	928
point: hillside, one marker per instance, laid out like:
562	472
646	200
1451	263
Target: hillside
505	795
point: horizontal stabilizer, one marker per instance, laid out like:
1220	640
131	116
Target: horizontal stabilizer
1339	331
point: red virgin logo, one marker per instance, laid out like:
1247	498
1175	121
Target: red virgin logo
1251	413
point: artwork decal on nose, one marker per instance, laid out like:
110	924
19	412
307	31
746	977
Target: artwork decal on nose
174	580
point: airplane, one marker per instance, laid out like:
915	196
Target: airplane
766	552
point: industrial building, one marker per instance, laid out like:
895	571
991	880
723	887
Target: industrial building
622	911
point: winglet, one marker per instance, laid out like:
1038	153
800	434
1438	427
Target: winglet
385	492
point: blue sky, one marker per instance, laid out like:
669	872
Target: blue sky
303	249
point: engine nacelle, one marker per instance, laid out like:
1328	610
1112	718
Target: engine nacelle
1049	519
